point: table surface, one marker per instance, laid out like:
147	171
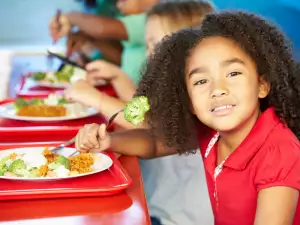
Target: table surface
128	207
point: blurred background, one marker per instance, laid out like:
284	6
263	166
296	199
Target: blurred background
24	23
24	27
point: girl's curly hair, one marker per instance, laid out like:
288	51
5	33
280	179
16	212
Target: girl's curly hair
163	78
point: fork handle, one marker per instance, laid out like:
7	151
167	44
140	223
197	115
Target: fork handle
72	141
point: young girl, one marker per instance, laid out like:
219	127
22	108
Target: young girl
231	86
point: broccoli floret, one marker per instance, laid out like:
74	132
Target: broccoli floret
53	166
65	74
62	76
36	101
4	160
68	69
38	76
34	172
134	111
61	160
63	101
16	165
20	103
145	102
135	119
3	166
22	172
3	170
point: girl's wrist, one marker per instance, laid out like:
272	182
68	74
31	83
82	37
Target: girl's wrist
72	17
118	75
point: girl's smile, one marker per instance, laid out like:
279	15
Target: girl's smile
222	109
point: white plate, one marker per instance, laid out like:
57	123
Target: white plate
52	85
101	162
8	111
46	84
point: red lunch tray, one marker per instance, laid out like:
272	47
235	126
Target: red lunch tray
26	89
26	131
108	182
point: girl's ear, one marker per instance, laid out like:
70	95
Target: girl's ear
264	87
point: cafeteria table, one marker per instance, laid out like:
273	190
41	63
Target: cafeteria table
126	208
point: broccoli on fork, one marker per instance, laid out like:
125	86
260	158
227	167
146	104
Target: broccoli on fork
134	111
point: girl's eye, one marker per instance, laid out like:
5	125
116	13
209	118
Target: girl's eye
202	81
233	74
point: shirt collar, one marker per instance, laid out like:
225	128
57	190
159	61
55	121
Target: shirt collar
254	140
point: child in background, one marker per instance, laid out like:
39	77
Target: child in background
231	87
86	48
162	20
129	29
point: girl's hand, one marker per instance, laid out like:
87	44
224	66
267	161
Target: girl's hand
102	70
92	138
61	28
83	93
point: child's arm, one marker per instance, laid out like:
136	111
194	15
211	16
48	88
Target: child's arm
276	206
108	28
80	42
83	93
110	49
135	142
122	84
277	183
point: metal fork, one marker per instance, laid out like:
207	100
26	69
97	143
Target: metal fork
72	141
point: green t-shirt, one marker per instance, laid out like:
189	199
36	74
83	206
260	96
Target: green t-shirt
134	51
107	8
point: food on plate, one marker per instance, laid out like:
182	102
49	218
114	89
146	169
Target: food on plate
81	163
45	164
134	111
42	111
53	106
68	74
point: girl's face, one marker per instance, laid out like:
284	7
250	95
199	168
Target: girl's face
154	32
223	84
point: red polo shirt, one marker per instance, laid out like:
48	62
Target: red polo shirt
269	156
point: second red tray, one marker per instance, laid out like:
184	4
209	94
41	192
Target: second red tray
25	89
21	131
